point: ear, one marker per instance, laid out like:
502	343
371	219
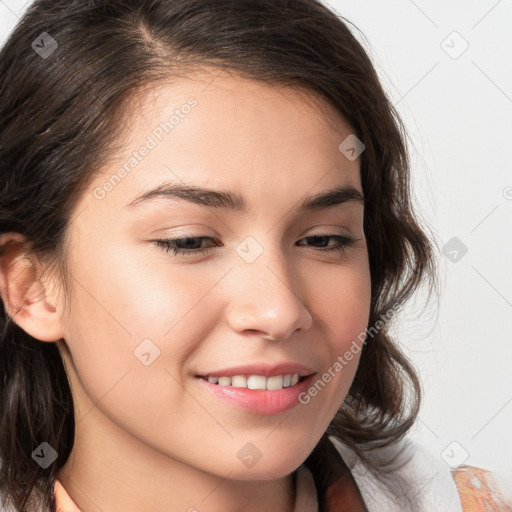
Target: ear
27	299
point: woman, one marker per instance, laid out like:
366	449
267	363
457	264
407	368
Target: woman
206	231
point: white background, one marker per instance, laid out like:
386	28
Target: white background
457	107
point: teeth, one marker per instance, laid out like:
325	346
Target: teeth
224	381
256	382
273	383
239	381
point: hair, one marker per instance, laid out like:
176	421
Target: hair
61	117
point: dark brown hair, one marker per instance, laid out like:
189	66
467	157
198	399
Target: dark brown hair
60	120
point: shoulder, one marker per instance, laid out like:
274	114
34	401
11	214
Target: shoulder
419	481
413	480
481	491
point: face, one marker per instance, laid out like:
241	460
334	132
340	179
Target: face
259	286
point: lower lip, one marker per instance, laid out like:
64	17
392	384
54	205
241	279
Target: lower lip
260	401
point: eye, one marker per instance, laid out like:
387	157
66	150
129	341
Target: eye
343	242
184	245
192	245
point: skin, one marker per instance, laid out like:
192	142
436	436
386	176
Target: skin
150	436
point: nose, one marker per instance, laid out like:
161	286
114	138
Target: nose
264	298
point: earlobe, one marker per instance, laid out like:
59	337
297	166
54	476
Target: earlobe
26	299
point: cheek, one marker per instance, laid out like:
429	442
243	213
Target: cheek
350	326
130	315
342	299
128	346
128	297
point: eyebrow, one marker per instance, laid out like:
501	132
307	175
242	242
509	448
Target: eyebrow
227	200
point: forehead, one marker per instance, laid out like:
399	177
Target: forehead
219	129
226	92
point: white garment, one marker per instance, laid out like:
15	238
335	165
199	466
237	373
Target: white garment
423	484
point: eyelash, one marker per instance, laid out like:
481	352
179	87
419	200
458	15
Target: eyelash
167	244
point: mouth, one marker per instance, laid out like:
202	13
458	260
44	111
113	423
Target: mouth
257	394
271	383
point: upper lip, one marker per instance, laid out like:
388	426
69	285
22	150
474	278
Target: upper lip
262	369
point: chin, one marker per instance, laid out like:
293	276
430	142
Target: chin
273	463
265	471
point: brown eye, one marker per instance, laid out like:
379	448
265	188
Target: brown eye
185	245
344	242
